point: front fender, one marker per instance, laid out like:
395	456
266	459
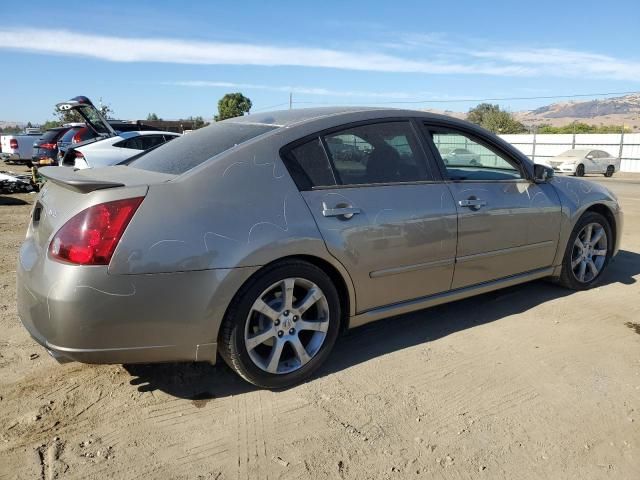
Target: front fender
576	197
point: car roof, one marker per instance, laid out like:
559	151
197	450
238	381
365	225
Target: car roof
287	118
137	133
579	150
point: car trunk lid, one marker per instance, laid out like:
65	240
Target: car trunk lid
91	115
68	191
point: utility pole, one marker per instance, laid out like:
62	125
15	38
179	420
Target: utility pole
290	100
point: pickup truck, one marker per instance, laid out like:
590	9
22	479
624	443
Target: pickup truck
18	148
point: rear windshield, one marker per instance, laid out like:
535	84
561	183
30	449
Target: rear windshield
50	135
194	148
69	135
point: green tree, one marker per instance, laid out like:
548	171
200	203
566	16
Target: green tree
50	124
198	122
580	127
11	129
494	119
478	113
105	109
232	105
67	116
153	117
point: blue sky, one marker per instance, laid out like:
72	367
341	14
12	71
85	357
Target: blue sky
177	58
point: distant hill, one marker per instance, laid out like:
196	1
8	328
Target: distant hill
609	111
4	124
627	105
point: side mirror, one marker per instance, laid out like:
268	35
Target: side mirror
589	157
542	173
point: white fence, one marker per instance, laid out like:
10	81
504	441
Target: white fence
542	146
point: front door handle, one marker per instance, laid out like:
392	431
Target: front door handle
342	210
472	203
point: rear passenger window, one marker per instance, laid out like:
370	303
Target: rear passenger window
376	153
309	166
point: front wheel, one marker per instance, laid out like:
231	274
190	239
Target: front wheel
281	325
580	171
588	252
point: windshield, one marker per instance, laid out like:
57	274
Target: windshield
572	153
192	149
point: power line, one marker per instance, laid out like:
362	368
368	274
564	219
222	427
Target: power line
492	99
269	107
451	100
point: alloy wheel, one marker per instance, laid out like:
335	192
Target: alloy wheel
287	325
589	252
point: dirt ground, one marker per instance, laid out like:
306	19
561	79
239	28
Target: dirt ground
526	383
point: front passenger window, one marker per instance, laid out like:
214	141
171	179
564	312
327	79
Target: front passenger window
467	159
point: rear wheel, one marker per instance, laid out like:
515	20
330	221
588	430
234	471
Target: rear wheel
282	325
580	170
610	171
588	252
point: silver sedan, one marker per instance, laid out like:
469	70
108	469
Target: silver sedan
261	238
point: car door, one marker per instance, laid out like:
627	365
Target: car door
603	160
381	211
590	162
507	224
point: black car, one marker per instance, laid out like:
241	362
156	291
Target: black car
71	136
45	149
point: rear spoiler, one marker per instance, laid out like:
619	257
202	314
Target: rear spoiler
75	179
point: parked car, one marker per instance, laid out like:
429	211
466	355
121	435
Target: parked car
72	136
45	149
18	148
245	238
95	128
459	156
579	162
114	150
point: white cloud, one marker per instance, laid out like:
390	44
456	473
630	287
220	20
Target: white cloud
121	49
442	55
567	63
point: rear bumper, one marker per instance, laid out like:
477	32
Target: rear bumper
85	314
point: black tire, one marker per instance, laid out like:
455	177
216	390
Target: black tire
580	170
567	277
610	171
232	346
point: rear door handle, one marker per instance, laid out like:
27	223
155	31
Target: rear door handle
472	203
342	210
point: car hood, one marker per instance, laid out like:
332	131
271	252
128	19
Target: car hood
560	159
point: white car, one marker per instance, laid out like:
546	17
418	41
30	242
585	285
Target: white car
114	150
579	162
460	157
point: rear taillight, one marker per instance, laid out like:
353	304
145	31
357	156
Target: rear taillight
13	143
77	138
79	154
91	237
49	146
